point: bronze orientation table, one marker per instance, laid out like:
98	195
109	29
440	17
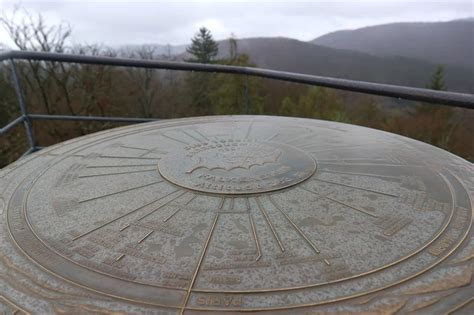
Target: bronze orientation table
237	214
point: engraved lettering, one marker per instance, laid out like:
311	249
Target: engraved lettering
220	300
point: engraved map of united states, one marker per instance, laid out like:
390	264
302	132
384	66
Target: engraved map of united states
241	157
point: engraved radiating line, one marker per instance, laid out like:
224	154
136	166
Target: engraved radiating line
179	209
221	204
352	207
459	306
356	187
249	129
154	150
199	133
118	218
143	149
247	204
117	173
144	237
191	136
15	307
201	258
273	137
120	191
125	165
293	140
275	234
360	174
432	240
255	238
302	234
166	203
232	203
313	246
124	227
340	202
134	148
313	192
125	157
177	140
119	257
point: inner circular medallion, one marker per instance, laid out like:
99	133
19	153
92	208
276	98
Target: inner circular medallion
236	166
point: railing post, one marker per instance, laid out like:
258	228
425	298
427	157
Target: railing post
21	101
247	99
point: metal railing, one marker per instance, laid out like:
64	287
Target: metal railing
400	92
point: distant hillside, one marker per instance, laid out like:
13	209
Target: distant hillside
438	42
297	56
159	51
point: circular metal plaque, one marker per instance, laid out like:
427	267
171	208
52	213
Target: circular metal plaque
237	214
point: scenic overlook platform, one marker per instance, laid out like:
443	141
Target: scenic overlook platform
238	214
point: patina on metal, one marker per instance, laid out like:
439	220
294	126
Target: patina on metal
237	214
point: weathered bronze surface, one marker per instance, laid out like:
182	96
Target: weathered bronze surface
237	214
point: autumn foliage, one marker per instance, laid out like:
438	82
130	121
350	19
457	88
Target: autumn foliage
72	89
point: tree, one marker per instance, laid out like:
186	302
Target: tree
34	34
203	47
287	108
433	123
437	81
321	103
145	81
235	94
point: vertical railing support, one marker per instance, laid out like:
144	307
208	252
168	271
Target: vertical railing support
24	112
247	99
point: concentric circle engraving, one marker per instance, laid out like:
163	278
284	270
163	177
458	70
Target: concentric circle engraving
191	216
237	166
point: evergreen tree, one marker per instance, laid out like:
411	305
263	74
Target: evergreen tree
203	47
435	123
437	81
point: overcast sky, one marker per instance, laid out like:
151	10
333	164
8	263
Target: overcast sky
136	22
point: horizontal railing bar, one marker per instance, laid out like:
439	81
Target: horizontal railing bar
397	91
5	55
89	118
12	124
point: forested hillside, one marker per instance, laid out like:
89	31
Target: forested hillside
296	56
72	89
446	43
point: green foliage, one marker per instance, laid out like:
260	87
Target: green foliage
226	94
437	81
431	123
106	91
318	102
203	47
236	94
288	107
199	86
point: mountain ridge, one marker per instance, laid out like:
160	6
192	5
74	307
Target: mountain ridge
303	57
450	42
316	58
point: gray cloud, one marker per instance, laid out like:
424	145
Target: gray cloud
135	22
